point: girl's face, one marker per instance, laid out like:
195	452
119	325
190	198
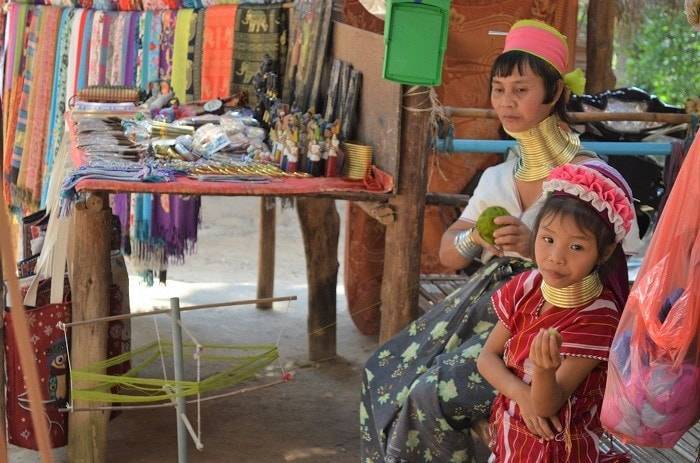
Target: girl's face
565	254
518	99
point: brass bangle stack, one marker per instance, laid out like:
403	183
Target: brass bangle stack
465	245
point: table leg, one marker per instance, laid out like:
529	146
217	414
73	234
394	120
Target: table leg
90	277
320	226
266	252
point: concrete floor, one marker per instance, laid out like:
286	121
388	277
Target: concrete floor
311	419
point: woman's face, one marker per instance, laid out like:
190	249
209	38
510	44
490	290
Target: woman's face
518	99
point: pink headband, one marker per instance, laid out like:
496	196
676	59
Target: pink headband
594	187
541	40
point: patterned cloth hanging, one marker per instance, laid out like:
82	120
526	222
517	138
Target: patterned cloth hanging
54	52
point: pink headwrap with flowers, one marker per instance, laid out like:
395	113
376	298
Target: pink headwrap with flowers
542	40
594	185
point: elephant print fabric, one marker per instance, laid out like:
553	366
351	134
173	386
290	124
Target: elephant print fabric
260	31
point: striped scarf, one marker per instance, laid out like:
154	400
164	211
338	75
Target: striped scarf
58	94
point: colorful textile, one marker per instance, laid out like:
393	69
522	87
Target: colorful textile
587	332
217	53
29	150
167	40
85	51
197	59
57	106
259	30
182	68
149	60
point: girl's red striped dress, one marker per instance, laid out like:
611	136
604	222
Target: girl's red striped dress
587	331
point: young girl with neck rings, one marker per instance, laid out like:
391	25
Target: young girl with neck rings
547	354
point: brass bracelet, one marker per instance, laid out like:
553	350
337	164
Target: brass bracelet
466	246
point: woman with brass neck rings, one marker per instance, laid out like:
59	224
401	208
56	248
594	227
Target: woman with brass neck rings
421	390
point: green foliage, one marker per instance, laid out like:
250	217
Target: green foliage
662	55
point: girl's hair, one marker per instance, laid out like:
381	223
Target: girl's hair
506	62
586	218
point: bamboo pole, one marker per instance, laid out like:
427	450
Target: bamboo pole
581	117
21	331
182	309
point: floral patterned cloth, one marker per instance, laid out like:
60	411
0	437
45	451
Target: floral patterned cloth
421	390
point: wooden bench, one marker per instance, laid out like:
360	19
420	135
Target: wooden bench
434	288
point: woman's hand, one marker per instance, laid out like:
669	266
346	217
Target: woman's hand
476	237
545	428
545	349
512	235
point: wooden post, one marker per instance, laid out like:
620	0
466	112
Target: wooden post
405	235
90	278
600	35
266	252
320	227
3	379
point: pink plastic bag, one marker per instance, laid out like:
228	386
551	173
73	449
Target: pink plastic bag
652	395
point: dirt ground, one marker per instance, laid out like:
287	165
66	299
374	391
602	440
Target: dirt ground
313	418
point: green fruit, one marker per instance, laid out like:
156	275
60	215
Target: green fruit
485	225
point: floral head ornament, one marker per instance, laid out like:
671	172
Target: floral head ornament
602	188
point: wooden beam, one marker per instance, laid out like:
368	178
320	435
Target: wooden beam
320	227
405	235
90	277
581	117
446	199
266	252
600	37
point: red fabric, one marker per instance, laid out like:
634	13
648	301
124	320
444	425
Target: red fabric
587	332
217	50
50	353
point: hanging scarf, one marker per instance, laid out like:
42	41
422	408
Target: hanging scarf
74	54
217	55
258	29
167	40
14	93
31	171
86	55
149	54
182	68
197	59
129	71
58	94
116	53
96	48
175	222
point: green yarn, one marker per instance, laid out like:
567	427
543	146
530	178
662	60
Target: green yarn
243	363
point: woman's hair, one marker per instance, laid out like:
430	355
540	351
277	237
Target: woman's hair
585	217
506	63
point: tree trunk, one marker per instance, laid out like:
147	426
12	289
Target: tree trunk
600	37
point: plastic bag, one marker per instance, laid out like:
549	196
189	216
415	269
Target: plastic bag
652	395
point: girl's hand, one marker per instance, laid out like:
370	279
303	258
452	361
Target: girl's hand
545	350
545	428
512	235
